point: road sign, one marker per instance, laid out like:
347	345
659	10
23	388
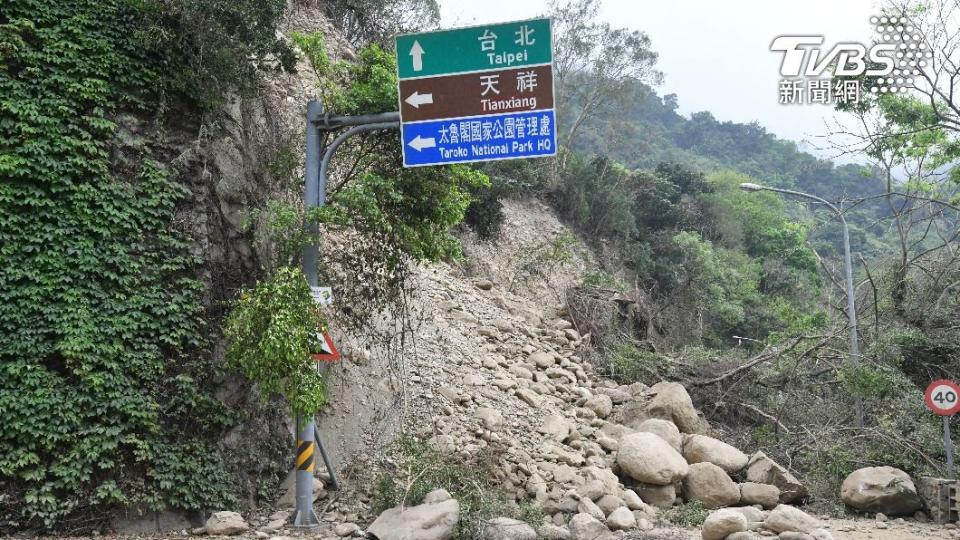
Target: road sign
943	397
328	351
477	94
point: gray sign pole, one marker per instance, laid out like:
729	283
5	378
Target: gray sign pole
314	196
948	445
304	515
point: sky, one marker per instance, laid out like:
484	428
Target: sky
715	54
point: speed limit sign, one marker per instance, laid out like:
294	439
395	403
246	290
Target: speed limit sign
943	397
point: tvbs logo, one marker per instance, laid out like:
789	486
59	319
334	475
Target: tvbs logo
802	55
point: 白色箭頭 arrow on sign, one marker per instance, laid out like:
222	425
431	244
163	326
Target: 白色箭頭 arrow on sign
416	99
417	53
419	143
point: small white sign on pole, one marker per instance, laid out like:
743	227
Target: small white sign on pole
322	295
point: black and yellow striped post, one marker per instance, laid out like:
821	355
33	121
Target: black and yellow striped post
305	455
304	515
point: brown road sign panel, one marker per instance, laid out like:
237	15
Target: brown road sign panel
473	94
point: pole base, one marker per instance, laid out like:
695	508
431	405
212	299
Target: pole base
302	520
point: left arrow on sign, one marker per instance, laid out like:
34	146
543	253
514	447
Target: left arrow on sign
417	53
419	143
416	99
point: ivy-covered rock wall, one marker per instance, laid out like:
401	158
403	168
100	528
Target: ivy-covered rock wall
126	157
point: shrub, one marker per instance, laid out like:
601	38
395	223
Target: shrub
270	336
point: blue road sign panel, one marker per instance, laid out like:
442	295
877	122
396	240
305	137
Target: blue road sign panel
479	138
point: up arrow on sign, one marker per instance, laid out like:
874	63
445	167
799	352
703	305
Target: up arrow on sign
417	53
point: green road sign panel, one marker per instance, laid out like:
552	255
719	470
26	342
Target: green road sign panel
477	48
477	94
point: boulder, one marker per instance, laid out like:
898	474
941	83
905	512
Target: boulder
556	427
709	484
703	449
665	429
763	470
794	535
503	528
590	508
225	524
659	496
722	523
432	520
754	516
745	535
345	530
787	518
609	503
492	419
586	527
600	404
621	519
648	458
880	489
766	495
672	402
542	360
549	531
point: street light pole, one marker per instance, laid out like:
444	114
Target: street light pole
848	263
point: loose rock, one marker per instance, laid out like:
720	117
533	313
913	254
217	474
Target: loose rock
225	523
722	523
700	449
709	484
787	518
432	520
648	458
503	528
763	470
880	489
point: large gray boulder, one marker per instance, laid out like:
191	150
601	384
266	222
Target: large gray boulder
433	520
880	489
665	429
672	402
703	449
785	518
709	484
722	523
503	528
647	458
766	495
763	470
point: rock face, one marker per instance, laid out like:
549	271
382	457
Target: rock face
880	489
763	470
672	402
723	523
648	458
225	524
503	528
785	518
766	495
703	449
432	520
709	484
665	429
